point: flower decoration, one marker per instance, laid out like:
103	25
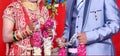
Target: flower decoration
81	50
47	37
57	1
62	52
52	5
49	24
36	40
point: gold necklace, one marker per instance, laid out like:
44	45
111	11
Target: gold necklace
33	7
29	5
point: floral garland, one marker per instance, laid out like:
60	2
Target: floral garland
48	39
41	38
51	24
53	4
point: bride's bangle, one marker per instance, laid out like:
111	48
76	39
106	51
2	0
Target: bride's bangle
18	35
14	37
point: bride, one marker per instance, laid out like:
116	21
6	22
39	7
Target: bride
22	24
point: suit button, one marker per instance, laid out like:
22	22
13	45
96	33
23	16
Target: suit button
76	26
78	16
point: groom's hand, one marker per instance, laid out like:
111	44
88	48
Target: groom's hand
82	38
62	43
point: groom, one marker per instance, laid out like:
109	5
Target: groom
95	21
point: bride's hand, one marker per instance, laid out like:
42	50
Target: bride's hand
31	28
32	25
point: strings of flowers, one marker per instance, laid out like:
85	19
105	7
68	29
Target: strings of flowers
50	25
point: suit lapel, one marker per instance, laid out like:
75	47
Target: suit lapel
69	8
86	10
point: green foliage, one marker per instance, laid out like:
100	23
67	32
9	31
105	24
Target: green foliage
52	6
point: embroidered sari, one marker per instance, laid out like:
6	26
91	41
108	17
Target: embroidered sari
16	14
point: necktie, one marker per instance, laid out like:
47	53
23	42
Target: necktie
79	4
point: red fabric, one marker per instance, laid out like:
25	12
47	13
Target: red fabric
60	18
116	42
3	4
60	26
118	2
26	15
116	38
